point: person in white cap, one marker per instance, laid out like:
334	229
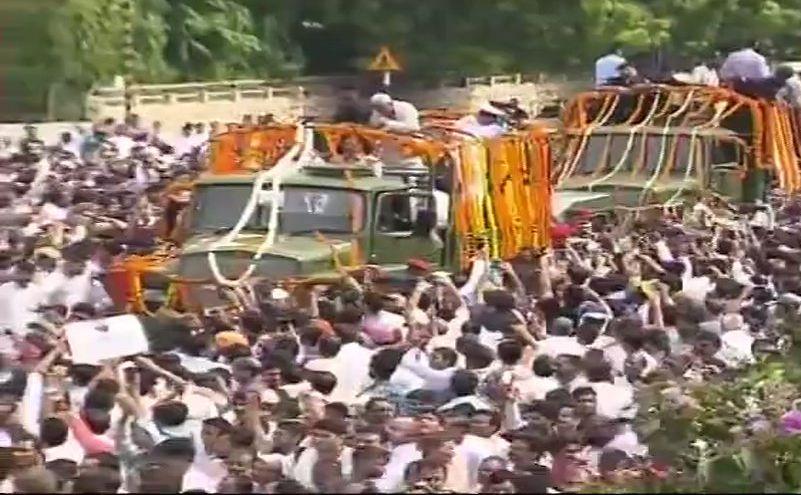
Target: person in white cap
393	115
484	123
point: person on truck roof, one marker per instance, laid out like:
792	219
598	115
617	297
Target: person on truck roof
607	67
485	123
790	92
393	115
352	150
350	108
627	75
745	64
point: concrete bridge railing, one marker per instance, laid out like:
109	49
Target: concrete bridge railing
229	101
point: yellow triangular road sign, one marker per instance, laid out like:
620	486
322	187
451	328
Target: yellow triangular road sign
384	61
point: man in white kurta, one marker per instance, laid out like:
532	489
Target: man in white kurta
393	115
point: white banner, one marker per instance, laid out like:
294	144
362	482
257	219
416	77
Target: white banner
94	341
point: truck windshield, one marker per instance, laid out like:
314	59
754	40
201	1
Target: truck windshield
305	209
219	207
308	209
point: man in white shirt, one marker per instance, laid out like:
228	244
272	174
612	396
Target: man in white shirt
74	285
35	155
123	143
476	447
352	368
484	123
403	451
184	145
408	444
19	300
790	92
201	135
736	341
745	64
436	373
561	340
695	287
704	75
69	144
403	378
208	468
393	115
606	67
59	442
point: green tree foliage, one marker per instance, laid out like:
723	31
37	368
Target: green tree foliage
88	40
151	34
723	436
173	40
209	39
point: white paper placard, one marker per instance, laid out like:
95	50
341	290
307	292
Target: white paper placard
93	341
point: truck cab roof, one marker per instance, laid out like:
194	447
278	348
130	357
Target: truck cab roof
323	176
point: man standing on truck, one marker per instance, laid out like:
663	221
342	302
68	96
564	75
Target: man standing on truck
608	67
393	115
745	64
790	92
483	123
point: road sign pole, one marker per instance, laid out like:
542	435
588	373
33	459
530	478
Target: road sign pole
385	63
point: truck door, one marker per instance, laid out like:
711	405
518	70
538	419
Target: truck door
405	226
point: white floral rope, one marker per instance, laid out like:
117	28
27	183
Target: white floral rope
690	167
287	164
629	145
584	138
650	183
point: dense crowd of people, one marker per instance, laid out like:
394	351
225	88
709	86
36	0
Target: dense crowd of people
513	377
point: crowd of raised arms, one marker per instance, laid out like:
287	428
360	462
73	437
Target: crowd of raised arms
519	376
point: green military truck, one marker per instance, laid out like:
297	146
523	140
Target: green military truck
326	212
660	145
356	212
311	212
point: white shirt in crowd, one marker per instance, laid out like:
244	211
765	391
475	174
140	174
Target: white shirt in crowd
124	145
435	380
18	306
184	145
615	400
74	146
352	369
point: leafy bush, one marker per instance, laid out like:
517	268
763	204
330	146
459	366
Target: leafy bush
724	435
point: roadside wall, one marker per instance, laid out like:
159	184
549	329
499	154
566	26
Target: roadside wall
229	101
